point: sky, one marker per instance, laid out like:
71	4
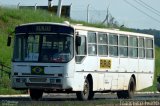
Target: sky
140	14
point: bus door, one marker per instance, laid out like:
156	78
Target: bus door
80	50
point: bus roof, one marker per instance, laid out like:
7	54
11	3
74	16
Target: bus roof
47	23
87	28
105	30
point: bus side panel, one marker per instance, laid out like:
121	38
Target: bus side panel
78	81
145	78
108	81
123	65
114	72
144	81
123	80
133	65
142	65
123	76
149	65
90	64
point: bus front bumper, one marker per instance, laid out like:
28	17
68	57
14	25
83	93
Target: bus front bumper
38	83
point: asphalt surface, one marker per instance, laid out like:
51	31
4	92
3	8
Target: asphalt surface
61	99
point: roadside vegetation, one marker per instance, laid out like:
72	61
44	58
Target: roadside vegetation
10	18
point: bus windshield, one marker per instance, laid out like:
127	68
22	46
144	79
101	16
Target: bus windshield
55	48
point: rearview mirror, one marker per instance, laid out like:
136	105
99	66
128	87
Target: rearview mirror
78	40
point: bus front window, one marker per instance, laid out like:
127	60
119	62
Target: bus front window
58	48
26	48
43	48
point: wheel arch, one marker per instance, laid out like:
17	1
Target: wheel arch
87	93
134	77
90	78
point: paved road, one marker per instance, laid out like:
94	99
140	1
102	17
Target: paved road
71	98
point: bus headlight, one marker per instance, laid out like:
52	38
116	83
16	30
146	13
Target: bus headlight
52	81
55	81
18	80
58	81
21	80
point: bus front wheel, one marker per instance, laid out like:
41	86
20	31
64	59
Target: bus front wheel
87	92
128	93
35	94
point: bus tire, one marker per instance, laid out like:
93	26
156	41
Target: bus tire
35	94
122	94
127	94
87	92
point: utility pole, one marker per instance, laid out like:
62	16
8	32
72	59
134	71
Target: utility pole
107	17
35	7
18	5
88	13
59	8
49	4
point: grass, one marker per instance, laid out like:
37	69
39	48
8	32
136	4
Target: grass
10	18
8	91
63	103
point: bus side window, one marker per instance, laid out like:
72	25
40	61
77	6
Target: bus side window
113	44
92	44
102	44
123	46
133	47
149	48
141	52
81	50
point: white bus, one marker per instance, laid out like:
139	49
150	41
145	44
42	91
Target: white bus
65	58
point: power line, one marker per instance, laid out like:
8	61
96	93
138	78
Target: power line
147	7
141	11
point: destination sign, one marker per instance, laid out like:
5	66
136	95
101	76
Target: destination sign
43	28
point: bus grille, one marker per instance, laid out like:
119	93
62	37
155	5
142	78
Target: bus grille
38	79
